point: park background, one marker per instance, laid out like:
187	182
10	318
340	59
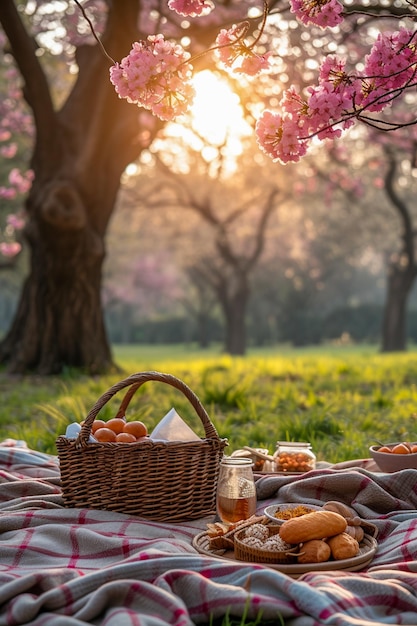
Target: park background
284	295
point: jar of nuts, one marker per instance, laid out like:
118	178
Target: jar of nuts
294	456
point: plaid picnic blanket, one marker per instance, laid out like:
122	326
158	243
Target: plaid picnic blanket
72	567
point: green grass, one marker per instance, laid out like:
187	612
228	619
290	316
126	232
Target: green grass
341	399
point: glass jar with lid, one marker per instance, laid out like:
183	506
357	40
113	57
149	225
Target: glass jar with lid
294	456
236	493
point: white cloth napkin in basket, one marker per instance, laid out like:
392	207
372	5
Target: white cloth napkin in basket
173	428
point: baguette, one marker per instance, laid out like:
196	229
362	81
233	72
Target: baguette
315	525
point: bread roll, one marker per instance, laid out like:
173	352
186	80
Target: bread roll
315	525
339	507
356	532
343	546
314	551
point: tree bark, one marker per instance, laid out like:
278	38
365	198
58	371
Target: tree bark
79	156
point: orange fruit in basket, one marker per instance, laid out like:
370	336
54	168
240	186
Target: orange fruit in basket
105	434
401	448
136	428
98	424
116	424
125	438
414	448
384	449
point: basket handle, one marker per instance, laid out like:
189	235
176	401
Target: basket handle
134	382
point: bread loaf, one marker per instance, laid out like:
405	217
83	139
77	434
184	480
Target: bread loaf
316	525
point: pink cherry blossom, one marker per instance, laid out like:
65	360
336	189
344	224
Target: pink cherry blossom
191	8
278	137
10	249
340	97
5	135
323	13
21	182
254	63
155	75
8	193
17	222
229	44
390	65
235	54
9	151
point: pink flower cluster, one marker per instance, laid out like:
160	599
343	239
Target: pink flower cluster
390	66
155	75
235	54
339	98
9	249
9	151
18	184
16	222
324	13
191	8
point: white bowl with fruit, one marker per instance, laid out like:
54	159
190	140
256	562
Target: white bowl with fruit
393	457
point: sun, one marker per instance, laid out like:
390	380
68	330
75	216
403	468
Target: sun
216	113
214	126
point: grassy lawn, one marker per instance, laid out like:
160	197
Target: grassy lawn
341	399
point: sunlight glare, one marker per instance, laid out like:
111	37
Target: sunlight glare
216	112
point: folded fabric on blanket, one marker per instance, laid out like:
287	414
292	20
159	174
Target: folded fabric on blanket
62	566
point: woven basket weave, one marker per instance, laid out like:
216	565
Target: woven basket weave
244	552
172	480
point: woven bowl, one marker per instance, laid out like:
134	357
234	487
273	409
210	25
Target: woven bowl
390	462
244	552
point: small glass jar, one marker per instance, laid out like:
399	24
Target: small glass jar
294	456
236	493
256	455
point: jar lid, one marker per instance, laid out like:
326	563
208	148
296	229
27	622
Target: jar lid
228	460
294	444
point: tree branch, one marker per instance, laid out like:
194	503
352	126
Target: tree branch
399	204
36	89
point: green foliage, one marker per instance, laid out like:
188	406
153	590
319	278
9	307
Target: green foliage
341	400
362	323
228	620
298	327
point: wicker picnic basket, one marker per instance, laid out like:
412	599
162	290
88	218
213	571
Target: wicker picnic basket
173	480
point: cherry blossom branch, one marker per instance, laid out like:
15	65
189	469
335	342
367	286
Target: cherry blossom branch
93	32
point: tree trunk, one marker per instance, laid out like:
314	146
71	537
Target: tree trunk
235	339
203	334
59	320
79	156
394	326
402	269
234	304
